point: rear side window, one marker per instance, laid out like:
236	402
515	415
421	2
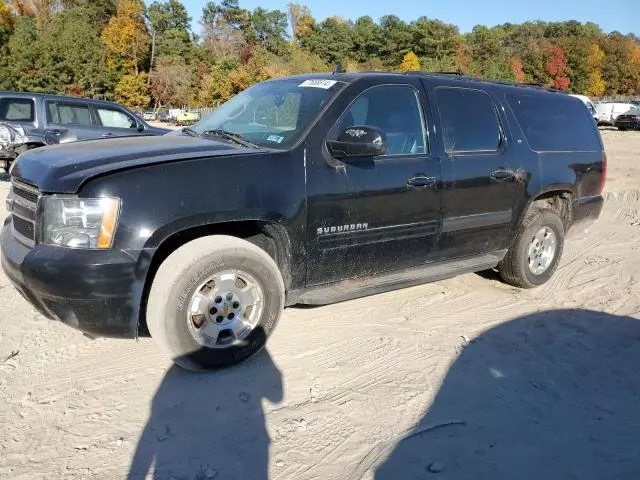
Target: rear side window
115	118
469	120
16	109
554	123
68	113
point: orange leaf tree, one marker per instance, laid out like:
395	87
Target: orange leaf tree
557	67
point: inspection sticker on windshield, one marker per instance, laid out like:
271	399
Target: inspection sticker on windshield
275	138
319	83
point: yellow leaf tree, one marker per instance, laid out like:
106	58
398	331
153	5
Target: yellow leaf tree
410	63
125	37
596	86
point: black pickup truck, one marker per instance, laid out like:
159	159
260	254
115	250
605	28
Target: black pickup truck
303	190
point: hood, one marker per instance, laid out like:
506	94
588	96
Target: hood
64	168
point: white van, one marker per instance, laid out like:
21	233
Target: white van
609	111
590	106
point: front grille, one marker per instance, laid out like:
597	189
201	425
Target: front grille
23	201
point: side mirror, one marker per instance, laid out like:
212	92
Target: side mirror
140	127
358	141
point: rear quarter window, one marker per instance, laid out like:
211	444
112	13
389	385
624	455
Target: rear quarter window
16	109
555	123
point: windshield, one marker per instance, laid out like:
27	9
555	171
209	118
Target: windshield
272	114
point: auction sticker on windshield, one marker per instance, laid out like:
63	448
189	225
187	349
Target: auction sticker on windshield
319	83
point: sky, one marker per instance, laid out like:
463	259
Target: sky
620	15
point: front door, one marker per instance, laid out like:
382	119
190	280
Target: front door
115	122
373	214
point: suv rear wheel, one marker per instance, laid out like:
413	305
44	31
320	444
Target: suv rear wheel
536	250
214	302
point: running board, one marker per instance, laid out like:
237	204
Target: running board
396	279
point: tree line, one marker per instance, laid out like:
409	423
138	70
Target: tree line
142	55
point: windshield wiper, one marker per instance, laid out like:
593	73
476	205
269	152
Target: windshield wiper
227	135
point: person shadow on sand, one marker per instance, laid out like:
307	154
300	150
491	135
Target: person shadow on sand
209	425
551	395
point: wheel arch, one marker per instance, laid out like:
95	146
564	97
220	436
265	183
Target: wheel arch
272	237
558	198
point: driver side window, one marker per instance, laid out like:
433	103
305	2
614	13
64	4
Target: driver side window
394	109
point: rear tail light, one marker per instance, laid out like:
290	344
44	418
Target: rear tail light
603	179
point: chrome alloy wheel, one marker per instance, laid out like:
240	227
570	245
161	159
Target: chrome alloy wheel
225	309
542	251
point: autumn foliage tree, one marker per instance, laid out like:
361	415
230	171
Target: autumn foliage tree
515	64
557	67
410	63
102	48
125	37
596	86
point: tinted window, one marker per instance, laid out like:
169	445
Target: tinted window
554	122
469	120
393	109
115	118
68	113
16	109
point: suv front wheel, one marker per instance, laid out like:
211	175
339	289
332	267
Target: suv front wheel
214	302
536	250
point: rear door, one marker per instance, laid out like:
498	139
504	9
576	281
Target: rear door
480	178
115	122
70	120
373	214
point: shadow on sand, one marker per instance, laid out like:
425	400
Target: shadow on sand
209	425
552	395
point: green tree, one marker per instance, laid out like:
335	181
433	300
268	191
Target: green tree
367	39
72	55
331	40
98	12
488	56
398	40
169	25
269	30
437	43
24	61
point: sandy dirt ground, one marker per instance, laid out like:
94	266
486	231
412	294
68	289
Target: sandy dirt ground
466	378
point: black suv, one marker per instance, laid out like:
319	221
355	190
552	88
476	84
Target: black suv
302	190
34	119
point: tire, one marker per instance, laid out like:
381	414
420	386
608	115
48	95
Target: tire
181	276
514	268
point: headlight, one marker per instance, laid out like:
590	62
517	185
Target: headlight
79	222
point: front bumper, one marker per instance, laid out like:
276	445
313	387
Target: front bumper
97	292
586	210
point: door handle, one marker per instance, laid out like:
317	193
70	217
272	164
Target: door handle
502	175
105	135
421	181
55	132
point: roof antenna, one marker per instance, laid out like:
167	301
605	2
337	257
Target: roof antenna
339	69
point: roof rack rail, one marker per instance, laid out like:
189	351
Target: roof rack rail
414	72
